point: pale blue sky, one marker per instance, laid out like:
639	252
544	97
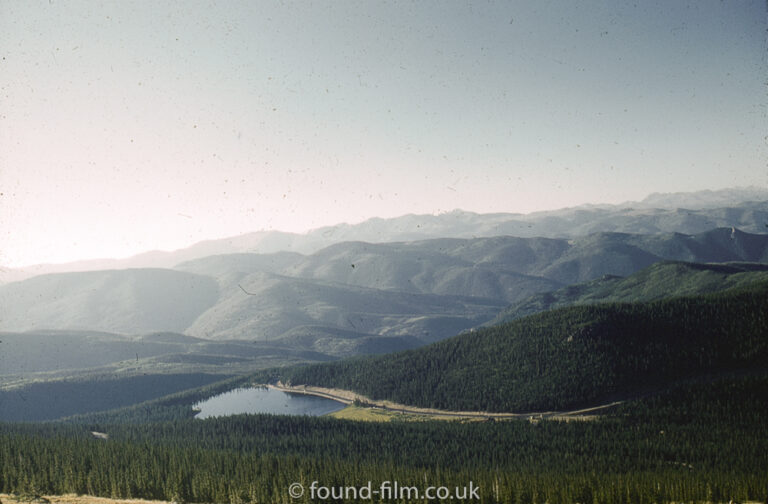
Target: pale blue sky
134	125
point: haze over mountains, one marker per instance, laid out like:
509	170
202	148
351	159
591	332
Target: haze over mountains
358	297
230	314
690	213
429	289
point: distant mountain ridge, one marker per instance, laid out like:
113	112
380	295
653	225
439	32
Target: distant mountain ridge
658	281
688	213
345	298
128	301
700	200
506	267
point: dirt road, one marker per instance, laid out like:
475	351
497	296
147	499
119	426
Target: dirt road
349	397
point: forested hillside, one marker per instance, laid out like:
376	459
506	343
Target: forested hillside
427	289
698	442
75	361
661	280
566	358
693	426
500	266
265	307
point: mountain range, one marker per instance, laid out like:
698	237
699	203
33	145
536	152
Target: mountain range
661	280
228	314
658	329
349	297
689	213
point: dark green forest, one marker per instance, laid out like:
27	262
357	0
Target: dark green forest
661	280
691	425
696	442
566	358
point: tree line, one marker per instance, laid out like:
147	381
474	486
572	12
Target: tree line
566	358
701	441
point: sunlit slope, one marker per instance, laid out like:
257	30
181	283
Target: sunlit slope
442	266
263	307
661	280
121	301
566	358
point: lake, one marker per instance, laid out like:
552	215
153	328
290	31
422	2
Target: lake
262	400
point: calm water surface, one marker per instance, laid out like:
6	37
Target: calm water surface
258	400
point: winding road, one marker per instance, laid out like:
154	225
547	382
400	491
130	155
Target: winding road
349	397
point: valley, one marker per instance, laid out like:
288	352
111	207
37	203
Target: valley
604	367
352	298
383	252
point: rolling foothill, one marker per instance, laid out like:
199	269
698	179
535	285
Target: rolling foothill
621	365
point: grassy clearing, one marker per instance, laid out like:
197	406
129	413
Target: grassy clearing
364	414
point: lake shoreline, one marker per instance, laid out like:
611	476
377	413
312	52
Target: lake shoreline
264	400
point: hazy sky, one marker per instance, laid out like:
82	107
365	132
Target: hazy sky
134	125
